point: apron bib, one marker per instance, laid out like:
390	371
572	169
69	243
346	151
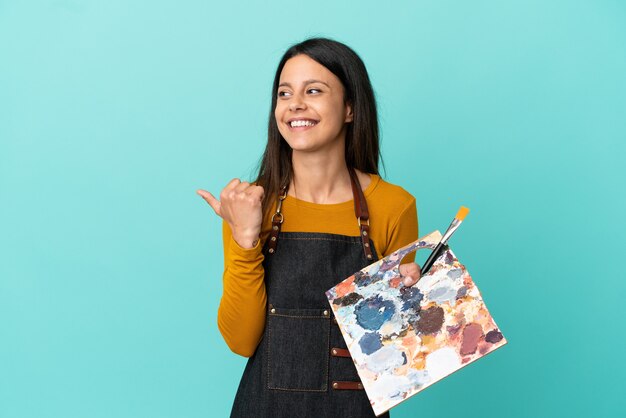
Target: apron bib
302	367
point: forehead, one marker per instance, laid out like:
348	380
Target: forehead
302	68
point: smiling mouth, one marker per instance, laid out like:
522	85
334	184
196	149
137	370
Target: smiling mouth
302	123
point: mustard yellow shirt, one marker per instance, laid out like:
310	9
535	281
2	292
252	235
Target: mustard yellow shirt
241	314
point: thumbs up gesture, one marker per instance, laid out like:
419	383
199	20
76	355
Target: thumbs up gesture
240	205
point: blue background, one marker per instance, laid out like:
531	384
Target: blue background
113	113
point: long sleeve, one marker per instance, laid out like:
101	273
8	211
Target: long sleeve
241	314
404	231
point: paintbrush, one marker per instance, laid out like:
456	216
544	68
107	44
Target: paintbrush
456	222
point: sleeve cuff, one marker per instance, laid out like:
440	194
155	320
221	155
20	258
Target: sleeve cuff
246	253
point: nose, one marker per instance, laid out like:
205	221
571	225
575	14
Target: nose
296	103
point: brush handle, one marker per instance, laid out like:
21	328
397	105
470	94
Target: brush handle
432	257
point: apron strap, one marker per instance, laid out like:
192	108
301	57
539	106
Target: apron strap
360	210
362	214
277	221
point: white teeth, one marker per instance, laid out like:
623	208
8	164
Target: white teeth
297	123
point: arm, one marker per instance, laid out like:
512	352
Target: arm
241	314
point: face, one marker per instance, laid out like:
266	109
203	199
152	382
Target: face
310	110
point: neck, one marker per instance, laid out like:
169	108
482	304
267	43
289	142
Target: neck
321	177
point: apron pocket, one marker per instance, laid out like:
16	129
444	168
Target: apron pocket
298	344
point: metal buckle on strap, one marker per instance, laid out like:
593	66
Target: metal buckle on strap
282	218
279	206
277	220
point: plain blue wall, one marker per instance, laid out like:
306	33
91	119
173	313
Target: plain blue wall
113	113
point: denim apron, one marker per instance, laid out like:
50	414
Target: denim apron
301	367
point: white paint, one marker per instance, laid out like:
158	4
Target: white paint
385	360
442	362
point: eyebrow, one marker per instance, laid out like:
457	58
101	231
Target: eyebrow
311	81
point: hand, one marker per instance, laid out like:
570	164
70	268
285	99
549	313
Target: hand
240	206
411	273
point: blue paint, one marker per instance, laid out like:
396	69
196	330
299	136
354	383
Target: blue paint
412	298
372	313
370	342
443	294
455	273
364	279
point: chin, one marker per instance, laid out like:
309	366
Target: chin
309	143
302	144
303	147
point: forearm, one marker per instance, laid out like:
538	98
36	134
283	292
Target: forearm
241	314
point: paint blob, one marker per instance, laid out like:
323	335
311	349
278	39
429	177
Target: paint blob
430	320
442	362
443	294
493	336
370	342
411	296
386	360
349	299
472	333
373	312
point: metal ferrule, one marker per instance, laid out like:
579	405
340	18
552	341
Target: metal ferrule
453	227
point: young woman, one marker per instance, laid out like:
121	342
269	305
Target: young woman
317	212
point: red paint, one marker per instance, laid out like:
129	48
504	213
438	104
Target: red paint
472	334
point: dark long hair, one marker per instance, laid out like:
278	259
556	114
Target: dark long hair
362	138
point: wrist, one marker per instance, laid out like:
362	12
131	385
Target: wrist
246	240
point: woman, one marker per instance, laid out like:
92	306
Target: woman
317	212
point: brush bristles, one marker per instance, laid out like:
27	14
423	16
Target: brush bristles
462	213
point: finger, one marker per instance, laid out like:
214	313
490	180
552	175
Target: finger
411	273
212	201
418	271
231	185
409	280
241	187
408	269
229	189
256	191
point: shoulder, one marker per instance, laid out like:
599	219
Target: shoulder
393	216
390	196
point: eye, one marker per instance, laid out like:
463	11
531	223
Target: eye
283	93
313	91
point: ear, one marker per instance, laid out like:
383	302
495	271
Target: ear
349	116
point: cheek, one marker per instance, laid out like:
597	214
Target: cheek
336	113
279	111
278	117
336	107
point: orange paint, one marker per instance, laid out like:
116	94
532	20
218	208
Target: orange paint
409	342
467	282
345	287
395	282
419	362
428	341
